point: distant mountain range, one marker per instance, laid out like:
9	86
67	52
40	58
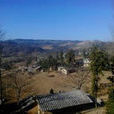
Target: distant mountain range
28	46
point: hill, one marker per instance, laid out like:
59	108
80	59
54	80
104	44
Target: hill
28	46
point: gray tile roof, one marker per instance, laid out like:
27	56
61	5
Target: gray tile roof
62	100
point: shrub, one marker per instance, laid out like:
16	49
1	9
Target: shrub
110	103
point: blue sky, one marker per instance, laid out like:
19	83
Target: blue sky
56	19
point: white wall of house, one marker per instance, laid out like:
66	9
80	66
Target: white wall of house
60	68
86	62
63	70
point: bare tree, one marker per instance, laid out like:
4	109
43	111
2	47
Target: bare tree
80	77
19	84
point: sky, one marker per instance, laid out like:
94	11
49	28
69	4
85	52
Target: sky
56	19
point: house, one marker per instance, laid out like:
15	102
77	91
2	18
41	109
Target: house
22	69
66	70
86	62
64	103
34	65
30	70
63	70
38	68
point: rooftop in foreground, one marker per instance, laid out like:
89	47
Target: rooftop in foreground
63	100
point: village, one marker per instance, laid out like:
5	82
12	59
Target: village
62	69
48	86
56	56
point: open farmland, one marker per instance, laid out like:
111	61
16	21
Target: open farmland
42	82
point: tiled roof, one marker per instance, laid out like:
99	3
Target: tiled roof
62	100
27	103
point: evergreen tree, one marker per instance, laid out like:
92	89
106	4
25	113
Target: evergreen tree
70	57
61	58
112	65
110	103
99	62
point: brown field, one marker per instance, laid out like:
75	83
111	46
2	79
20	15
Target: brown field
42	82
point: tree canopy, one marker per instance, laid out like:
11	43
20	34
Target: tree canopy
99	62
70	57
112	64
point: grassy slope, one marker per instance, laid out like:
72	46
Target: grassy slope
110	107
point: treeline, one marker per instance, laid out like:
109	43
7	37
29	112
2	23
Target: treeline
101	61
61	59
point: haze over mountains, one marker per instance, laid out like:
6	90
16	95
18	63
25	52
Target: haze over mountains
29	46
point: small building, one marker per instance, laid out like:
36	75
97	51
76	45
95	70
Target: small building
86	62
63	70
64	103
22	69
34	65
60	68
30	70
66	70
38	68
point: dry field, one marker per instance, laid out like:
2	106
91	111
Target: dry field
42	82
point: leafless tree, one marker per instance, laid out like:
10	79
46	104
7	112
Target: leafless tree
80	77
18	83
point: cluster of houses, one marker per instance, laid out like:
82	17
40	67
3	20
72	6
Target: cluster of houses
62	69
79	63
30	69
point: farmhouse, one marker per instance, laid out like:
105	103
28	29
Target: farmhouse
64	103
63	70
86	62
66	70
38	68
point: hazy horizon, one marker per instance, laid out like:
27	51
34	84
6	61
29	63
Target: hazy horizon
56	40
